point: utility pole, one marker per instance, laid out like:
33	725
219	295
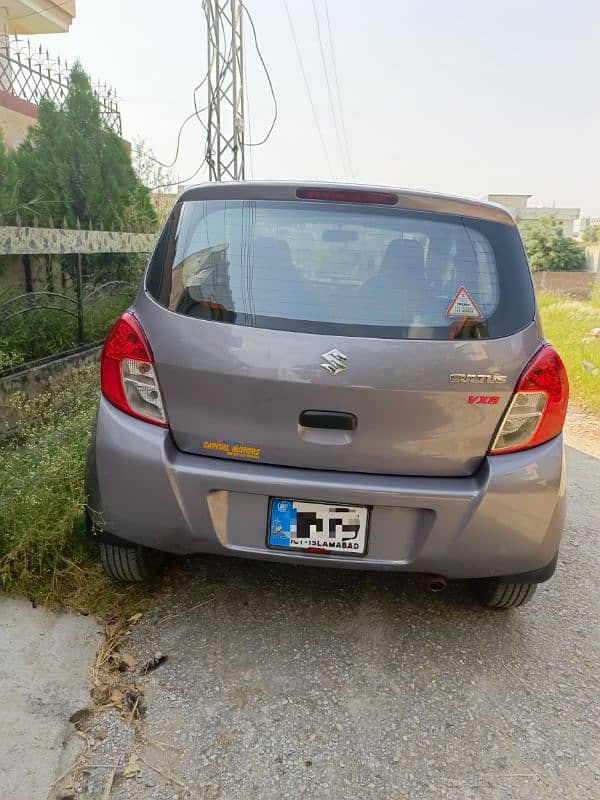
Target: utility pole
225	138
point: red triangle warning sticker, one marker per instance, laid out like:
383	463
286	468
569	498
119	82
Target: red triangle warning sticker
463	305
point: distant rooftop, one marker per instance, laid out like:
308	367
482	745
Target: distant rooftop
512	201
517	205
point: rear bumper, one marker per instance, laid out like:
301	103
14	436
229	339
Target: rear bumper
507	519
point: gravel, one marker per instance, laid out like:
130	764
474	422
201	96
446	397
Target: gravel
303	683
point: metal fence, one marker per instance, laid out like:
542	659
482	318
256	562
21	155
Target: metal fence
32	74
68	272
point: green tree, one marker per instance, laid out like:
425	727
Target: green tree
72	165
591	234
548	248
8	180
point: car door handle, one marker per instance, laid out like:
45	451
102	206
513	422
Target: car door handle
333	420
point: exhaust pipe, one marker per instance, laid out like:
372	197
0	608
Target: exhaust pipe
436	584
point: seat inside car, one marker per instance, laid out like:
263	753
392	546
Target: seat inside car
400	286
272	276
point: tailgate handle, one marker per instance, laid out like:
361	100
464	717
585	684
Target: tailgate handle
336	420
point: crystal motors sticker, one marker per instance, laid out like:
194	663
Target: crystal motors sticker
463	305
464	377
233	449
305	525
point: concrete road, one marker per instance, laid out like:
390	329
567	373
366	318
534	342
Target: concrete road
295	683
44	662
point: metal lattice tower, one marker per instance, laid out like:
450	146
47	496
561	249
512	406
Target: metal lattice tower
225	138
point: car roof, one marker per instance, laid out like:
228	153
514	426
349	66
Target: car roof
409	199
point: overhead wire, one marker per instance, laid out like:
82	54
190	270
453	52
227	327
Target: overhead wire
308	90
269	81
196	113
172	183
327	81
176	158
337	86
247	115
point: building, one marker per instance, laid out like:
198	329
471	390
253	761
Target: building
517	204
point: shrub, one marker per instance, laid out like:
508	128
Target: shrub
548	248
44	551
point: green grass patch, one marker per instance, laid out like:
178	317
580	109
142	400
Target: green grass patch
567	324
44	550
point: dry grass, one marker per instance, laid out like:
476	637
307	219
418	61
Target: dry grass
113	673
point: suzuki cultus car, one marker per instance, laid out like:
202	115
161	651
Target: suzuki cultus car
334	375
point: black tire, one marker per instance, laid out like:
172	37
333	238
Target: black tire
130	563
495	593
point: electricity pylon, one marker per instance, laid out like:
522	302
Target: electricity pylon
225	137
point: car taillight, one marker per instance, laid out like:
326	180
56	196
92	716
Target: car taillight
538	409
128	379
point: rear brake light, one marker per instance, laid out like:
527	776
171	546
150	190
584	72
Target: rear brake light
348	196
128	378
538	409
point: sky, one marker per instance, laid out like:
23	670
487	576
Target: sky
468	97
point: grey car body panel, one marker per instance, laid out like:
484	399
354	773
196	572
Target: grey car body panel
417	456
250	385
505	519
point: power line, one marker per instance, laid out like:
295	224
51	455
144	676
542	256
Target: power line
249	118
327	81
176	158
178	182
337	86
308	91
268	76
196	113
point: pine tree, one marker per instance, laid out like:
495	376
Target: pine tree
71	165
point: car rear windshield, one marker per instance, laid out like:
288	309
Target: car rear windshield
344	269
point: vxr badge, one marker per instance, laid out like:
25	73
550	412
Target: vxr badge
334	361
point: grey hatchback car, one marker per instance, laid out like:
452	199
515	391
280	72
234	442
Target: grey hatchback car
334	375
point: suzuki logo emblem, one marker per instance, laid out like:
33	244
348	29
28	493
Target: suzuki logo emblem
334	361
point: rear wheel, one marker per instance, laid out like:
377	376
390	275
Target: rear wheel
130	563
496	593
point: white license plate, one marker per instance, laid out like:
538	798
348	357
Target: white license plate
319	528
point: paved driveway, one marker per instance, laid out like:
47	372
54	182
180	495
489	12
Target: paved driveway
44	661
308	683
